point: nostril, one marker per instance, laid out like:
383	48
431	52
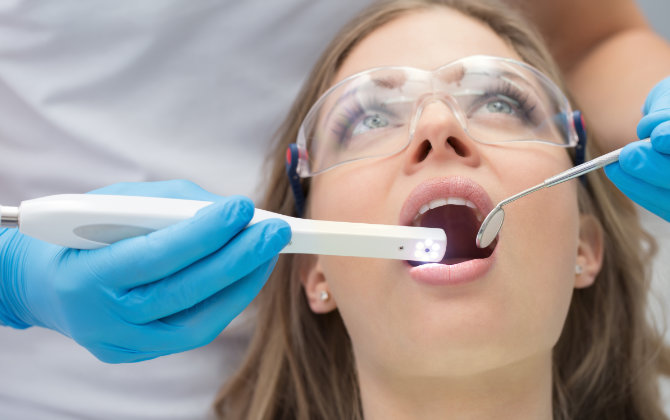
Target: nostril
458	147
423	150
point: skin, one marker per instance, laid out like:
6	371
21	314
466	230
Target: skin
476	350
611	58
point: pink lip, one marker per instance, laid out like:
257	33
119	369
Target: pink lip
441	274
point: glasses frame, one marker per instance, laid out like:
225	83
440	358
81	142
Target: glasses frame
297	159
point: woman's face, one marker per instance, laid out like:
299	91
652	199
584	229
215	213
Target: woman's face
473	315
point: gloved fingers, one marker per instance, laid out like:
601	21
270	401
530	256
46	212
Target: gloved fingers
120	341
165	189
188	329
202	323
110	353
243	254
649	122
660	138
651	197
641	161
139	343
658	98
144	259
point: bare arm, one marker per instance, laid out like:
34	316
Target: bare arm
610	56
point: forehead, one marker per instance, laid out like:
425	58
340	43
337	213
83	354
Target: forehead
424	39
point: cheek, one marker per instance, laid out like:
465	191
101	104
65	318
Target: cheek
355	193
545	222
361	290
352	193
541	246
539	242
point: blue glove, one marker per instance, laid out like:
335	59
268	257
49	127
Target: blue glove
169	291
643	170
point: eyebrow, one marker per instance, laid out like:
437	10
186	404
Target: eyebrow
451	74
509	76
391	81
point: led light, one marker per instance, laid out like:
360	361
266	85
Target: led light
427	250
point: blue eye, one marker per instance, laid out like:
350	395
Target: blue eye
499	107
370	122
364	117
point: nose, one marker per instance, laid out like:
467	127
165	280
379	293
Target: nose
439	137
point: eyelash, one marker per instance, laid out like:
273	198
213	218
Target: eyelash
349	115
508	90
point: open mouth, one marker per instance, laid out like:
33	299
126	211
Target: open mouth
460	219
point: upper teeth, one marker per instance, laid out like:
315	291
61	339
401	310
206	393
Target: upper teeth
439	202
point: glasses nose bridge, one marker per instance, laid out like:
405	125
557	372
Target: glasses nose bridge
437	98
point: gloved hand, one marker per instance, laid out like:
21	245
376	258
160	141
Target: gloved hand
643	170
166	292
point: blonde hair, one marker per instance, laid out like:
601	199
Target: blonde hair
301	366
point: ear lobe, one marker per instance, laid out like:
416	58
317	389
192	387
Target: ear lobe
314	282
590	250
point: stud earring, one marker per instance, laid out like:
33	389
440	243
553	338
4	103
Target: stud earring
578	269
324	295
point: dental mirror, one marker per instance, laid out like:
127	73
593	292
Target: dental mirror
494	220
490	227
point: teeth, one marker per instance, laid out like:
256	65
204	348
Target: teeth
454	201
439	203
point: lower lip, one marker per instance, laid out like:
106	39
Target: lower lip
455	274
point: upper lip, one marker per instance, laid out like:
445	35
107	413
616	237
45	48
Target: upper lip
456	186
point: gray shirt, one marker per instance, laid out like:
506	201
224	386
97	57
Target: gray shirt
96	92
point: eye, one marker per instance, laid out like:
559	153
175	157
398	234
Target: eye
499	106
370	122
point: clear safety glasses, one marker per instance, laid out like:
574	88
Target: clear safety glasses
376	112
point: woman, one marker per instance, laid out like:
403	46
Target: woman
547	323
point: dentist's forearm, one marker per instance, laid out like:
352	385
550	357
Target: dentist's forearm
610	56
612	81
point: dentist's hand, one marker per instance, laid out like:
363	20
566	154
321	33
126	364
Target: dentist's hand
643	170
169	291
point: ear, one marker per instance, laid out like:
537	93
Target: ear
314	282
589	251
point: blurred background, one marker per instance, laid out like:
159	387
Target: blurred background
658	13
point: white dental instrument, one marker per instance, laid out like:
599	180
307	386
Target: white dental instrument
494	220
90	221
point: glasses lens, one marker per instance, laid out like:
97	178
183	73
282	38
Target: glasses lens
506	101
369	114
366	116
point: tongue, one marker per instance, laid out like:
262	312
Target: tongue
460	225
